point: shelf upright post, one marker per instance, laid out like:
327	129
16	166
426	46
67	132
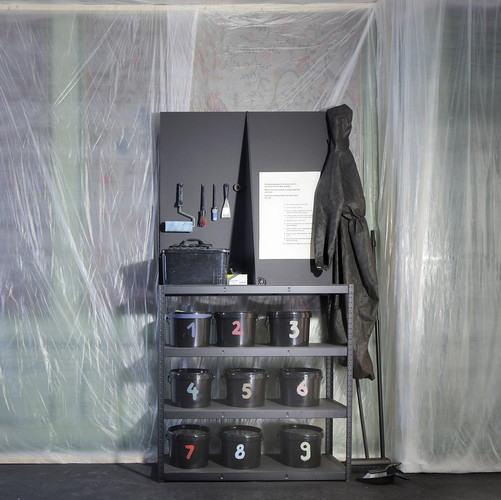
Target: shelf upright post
161	383
349	388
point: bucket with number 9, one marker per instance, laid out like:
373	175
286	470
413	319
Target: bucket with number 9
289	328
191	387
299	386
245	387
241	446
300	445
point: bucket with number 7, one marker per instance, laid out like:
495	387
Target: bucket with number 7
245	387
235	329
289	328
299	386
191	387
300	445
188	446
241	446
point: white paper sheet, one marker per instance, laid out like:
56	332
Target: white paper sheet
285	214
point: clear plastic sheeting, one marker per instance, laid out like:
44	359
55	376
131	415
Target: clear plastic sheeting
439	114
79	91
80	86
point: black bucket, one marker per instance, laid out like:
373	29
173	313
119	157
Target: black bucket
189	329
235	329
191	387
289	328
300	445
299	386
189	446
241	446
245	387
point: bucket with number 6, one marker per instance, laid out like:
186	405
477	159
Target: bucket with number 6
289	328
299	386
245	387
188	446
241	446
235	329
191	387
300	445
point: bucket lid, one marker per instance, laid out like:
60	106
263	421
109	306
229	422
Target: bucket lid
189	373
189	315
235	314
300	372
188	431
301	432
288	314
240	373
241	432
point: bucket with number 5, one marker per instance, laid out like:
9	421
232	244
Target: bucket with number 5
289	328
235	329
299	386
189	329
300	445
241	446
191	387
188	446
245	387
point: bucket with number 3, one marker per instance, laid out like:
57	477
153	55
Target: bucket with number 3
241	446
289	328
191	387
299	386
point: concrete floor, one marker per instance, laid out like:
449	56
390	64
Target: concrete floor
124	481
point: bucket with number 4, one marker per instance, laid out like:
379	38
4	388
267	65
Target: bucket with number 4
245	387
189	446
241	446
289	328
299	386
300	445
191	387
235	329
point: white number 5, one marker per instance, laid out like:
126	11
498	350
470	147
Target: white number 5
246	391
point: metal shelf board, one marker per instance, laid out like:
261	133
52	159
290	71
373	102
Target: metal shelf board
271	469
254	290
258	350
327	408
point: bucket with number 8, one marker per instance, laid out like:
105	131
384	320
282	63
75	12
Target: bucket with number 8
289	328
188	446
191	387
245	387
299	386
235	329
300	445
241	446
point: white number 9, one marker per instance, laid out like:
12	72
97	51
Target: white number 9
306	447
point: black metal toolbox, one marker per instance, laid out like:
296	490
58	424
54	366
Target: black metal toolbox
193	262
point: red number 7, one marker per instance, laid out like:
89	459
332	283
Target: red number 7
190	448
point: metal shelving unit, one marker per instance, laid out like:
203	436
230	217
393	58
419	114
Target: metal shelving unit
271	469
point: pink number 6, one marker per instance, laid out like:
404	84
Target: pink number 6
236	330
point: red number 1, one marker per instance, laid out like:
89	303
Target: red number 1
236	330
190	448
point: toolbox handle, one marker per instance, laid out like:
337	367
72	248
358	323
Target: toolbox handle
192	242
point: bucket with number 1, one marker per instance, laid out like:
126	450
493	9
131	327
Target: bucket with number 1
299	386
189	329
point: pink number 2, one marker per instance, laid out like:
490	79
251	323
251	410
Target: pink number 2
190	448
236	330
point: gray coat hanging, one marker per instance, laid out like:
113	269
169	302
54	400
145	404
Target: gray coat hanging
341	239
